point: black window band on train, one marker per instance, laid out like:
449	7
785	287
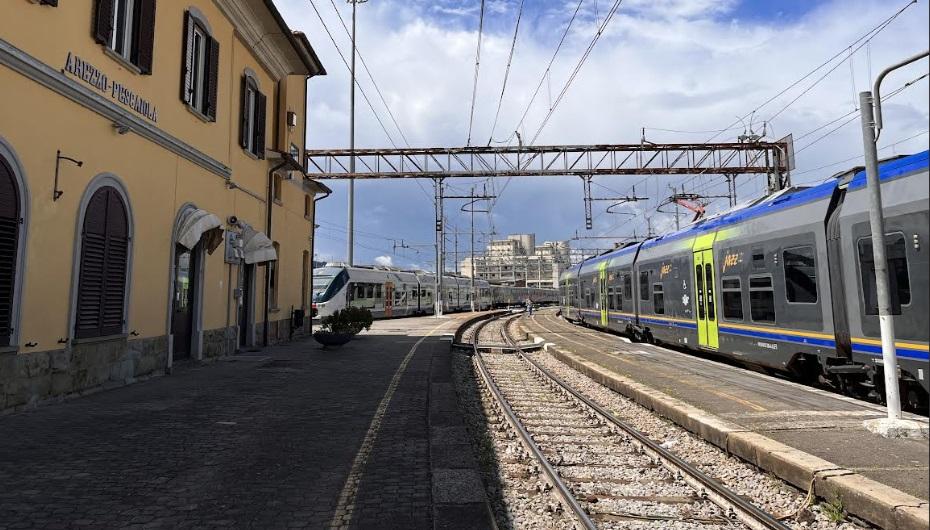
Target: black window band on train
761	299
658	298
800	275
732	299
899	281
644	286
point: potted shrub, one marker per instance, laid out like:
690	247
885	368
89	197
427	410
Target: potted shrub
339	328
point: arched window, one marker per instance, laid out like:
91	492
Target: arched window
101	295
9	248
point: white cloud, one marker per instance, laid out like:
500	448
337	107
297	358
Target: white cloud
675	64
384	261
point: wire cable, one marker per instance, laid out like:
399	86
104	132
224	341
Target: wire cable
513	47
474	90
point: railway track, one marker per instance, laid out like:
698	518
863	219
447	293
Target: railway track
603	472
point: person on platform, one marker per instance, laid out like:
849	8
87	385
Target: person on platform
529	306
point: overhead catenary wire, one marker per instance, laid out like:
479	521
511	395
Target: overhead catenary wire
474	90
568	83
378	90
513	47
346	62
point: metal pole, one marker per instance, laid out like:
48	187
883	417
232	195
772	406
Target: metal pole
871	127
437	311
473	293
877	224
351	222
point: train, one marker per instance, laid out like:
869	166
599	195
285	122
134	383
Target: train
784	283
391	292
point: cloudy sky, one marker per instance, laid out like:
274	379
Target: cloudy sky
683	69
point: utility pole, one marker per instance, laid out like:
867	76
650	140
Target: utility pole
893	425
469	207
677	211
437	311
351	222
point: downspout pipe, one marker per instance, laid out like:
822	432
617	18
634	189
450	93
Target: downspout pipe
288	162
326	193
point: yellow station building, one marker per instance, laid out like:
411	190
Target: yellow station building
153	208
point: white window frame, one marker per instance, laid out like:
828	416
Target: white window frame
123	11
198	68
250	97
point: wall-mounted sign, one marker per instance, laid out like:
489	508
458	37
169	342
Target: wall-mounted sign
89	74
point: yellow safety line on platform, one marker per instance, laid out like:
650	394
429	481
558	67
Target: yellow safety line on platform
342	517
714	391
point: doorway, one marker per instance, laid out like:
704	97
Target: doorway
706	304
245	305
184	300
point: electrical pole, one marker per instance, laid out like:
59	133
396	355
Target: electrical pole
893	425
469	207
351	222
437	311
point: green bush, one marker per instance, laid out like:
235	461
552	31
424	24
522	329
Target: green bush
349	320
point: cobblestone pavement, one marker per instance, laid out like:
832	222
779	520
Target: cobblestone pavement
263	444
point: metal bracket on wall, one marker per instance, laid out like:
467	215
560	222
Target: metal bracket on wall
57	193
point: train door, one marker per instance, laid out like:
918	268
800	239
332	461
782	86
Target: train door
388	299
602	291
705	298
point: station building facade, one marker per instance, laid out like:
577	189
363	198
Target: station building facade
152	206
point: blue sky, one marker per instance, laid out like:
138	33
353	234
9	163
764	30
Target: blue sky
682	65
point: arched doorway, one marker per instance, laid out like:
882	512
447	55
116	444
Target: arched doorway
10	219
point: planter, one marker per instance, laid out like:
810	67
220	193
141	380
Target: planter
328	338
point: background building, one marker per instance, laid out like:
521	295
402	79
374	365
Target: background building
152	204
518	261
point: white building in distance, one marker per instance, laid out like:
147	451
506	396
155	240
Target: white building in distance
518	261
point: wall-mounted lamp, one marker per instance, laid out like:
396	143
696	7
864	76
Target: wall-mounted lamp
57	193
291	119
121	128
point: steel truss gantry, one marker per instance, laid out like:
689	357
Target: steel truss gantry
773	158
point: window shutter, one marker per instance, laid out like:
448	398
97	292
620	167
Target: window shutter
9	242
103	21
187	59
260	101
244	114
53	3
213	74
104	264
145	36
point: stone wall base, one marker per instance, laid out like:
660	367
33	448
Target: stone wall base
29	379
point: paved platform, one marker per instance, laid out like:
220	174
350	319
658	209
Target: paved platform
293	436
797	432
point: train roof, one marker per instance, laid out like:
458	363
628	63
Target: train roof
888	169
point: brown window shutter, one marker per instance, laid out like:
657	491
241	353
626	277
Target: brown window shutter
244	114
213	74
145	36
9	243
260	102
187	59
104	266
103	21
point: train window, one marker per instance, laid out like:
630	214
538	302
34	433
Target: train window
800	275
378	290
658	298
899	283
761	299
758	259
699	284
644	285
627	286
732	299
709	278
